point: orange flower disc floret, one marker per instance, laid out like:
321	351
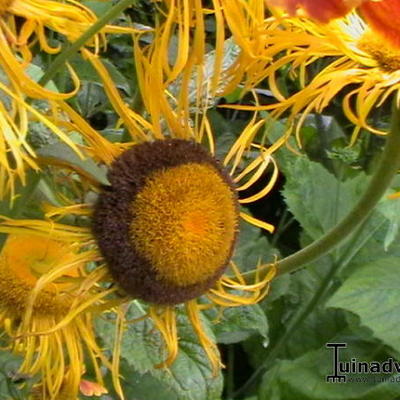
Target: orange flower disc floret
168	223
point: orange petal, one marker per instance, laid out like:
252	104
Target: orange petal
383	17
313	8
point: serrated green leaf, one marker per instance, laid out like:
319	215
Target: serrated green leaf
317	198
239	323
372	292
190	377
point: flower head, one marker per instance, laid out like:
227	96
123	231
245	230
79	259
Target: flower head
166	228
167	231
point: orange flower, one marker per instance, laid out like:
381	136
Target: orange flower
331	9
383	17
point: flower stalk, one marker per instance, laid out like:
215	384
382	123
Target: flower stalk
378	185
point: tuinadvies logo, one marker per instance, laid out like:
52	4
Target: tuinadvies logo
354	366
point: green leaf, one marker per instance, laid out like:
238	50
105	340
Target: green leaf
190	377
61	154
86	72
239	323
319	326
317	198
36	72
145	386
252	247
391	210
372	293
305	377
98	7
18	207
279	287
225	132
230	54
13	385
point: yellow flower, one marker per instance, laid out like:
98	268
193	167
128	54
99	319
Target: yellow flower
69	18
167	224
22	23
166	229
44	282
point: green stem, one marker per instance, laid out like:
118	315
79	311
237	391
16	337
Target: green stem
298	318
315	300
378	185
230	383
71	49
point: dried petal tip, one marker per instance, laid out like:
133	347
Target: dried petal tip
88	388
